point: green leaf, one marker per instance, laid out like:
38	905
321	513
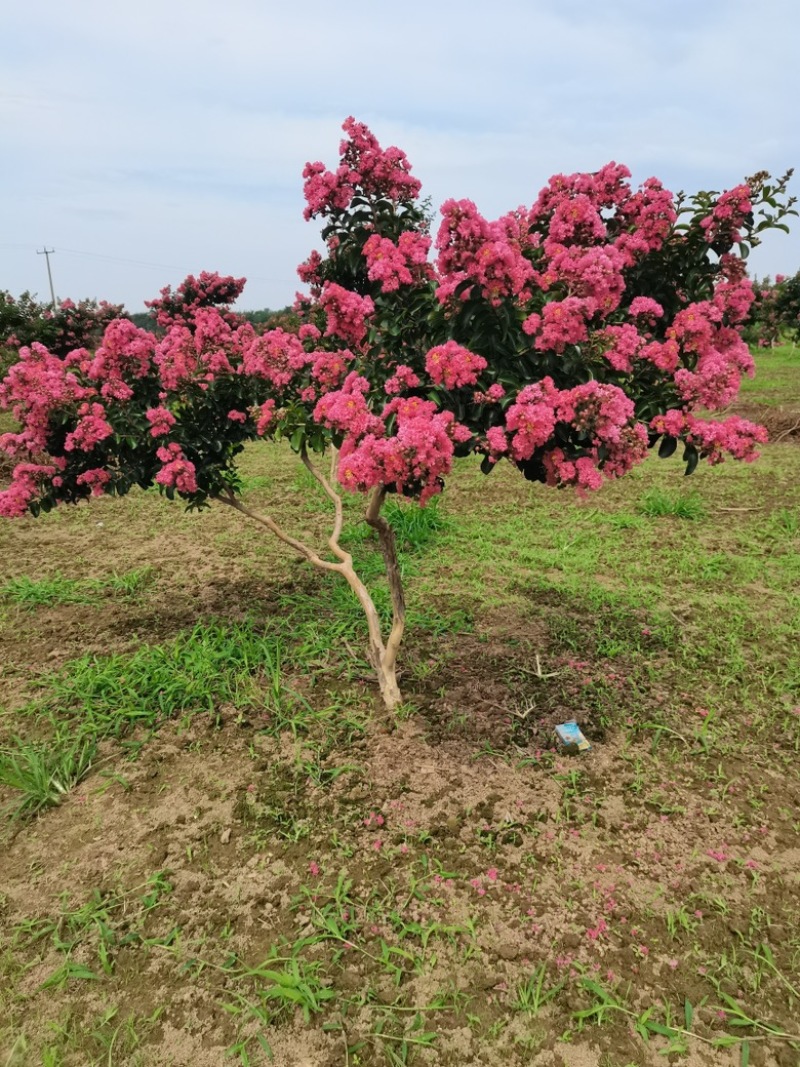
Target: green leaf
688	1014
745	1060
659	1028
66	972
667	447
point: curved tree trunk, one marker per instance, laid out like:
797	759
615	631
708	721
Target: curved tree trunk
382	655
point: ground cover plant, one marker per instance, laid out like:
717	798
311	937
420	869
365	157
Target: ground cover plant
243	864
566	338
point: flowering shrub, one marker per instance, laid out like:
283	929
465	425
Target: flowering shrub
210	290
565	338
23	320
776	311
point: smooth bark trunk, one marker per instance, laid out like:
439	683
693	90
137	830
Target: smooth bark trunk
382	655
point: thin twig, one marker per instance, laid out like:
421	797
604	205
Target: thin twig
786	433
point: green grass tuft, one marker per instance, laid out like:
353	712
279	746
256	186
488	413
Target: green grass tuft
657	503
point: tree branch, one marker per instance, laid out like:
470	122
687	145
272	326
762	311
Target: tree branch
389	551
287	539
333	540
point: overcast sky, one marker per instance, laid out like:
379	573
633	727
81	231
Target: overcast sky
144	141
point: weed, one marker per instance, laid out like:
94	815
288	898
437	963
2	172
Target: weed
531	994
658	503
60	590
43	773
44	591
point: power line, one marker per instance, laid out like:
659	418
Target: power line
47	253
163	266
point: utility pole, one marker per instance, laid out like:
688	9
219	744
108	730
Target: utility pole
47	253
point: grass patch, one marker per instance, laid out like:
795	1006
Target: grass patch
40	774
659	503
57	589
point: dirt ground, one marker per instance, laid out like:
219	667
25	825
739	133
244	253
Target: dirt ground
288	877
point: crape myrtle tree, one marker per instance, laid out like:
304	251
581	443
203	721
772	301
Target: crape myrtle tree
565	338
62	329
775	314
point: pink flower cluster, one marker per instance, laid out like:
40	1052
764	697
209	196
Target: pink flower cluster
607	187
728	214
601	414
576	220
176	471
35	388
161	421
624	343
97	478
398	264
275	356
416	457
209	290
210	347
403	378
735	436
264	416
346	410
453	366
562	323
487	253
649	215
346	313
92	428
571	205
330	369
25	486
364	166
595	274
530	420
308	272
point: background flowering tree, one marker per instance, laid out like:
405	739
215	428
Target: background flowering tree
209	290
775	314
566	338
71	325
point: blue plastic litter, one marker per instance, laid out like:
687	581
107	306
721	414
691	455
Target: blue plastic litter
570	737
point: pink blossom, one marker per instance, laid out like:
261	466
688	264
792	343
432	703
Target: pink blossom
398	264
531	418
264	416
176	472
346	313
27	482
646	308
92	428
453	366
276	357
161	421
364	165
403	378
563	323
97	478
